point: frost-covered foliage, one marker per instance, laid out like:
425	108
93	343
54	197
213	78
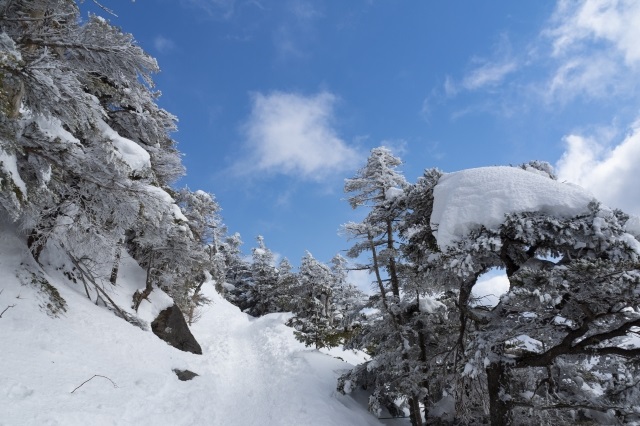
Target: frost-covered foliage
261	295
573	301
395	371
86	156
559	347
314	310
325	306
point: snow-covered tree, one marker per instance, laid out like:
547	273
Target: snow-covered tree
314	313
238	269
256	292
287	288
558	345
86	157
73	176
347	299
380	187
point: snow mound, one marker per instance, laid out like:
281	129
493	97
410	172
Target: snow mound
468	199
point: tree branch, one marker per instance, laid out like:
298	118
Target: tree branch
6	309
94	376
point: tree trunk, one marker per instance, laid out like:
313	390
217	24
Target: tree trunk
376	269
393	274
116	263
414	412
498	387
138	296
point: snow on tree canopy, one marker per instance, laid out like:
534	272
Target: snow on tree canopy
468	199
130	152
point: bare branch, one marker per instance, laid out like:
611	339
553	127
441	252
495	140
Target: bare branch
106	9
6	309
94	376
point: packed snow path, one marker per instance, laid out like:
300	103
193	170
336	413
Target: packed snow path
252	371
258	364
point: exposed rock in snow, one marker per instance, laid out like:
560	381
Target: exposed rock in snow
185	375
171	327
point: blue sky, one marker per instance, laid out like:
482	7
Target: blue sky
280	101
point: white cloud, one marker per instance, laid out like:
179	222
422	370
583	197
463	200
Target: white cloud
614	21
595	77
363	280
490	287
489	74
450	89
610	172
293	134
163	44
595	49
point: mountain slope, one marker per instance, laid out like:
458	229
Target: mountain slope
252	370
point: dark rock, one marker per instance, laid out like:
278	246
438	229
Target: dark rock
184	375
171	327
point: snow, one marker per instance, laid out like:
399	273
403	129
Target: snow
130	152
8	164
393	193
52	127
468	199
160	193
429	304
252	371
177	213
527	343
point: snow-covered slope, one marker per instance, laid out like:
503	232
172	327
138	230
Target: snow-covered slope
252	372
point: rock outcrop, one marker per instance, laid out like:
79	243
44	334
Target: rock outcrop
171	327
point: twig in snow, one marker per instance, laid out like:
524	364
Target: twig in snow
6	309
94	376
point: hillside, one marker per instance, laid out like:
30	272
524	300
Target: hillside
252	371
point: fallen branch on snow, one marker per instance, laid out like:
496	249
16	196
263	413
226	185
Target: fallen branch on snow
6	309
94	376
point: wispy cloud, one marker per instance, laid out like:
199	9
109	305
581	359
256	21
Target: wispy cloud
294	135
163	44
594	48
217	9
488	74
609	170
576	25
296	28
586	50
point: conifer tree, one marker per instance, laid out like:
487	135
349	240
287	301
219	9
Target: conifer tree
314	313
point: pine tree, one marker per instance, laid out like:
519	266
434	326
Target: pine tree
86	154
561	332
380	187
314	314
